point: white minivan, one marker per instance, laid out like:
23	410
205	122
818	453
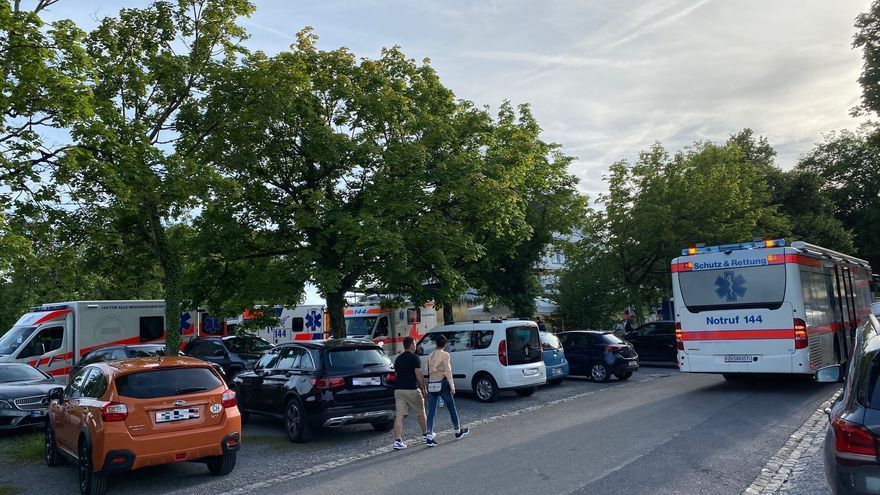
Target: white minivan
491	356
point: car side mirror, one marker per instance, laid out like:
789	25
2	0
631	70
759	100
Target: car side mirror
829	374
55	394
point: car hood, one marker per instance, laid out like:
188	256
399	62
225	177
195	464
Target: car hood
15	390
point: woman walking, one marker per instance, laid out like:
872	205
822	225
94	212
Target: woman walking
441	386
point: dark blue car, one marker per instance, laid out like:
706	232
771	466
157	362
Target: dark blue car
554	358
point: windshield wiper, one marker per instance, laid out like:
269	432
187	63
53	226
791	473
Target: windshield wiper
189	390
372	364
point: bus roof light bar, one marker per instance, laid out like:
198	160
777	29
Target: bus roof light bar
733	247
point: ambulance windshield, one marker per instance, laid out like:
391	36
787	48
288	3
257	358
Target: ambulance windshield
359	326
733	288
13	339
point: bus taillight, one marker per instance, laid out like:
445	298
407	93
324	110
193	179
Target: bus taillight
800	334
679	343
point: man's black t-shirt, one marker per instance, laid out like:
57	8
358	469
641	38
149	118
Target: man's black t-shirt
405	367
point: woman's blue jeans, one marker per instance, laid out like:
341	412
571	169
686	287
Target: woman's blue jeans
433	398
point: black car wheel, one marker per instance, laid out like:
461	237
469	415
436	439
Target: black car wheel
485	388
295	424
53	457
383	426
599	372
222	465
624	376
526	392
90	482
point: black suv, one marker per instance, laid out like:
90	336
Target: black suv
655	342
234	353
326	383
852	441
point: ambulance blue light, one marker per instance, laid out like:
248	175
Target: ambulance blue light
734	247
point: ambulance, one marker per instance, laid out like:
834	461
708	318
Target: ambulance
767	307
389	326
53	337
296	324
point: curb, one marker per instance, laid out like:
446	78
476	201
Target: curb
804	441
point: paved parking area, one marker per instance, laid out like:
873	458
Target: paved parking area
266	453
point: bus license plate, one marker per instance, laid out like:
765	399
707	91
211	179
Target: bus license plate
738	358
177	415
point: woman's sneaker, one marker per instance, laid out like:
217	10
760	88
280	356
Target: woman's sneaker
399	445
431	442
461	433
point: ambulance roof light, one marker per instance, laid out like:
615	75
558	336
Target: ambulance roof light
769	243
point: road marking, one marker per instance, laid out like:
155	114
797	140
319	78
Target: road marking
418	440
778	469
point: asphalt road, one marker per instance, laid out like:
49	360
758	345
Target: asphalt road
660	432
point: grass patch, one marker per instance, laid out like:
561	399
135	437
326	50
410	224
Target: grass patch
25	447
7	490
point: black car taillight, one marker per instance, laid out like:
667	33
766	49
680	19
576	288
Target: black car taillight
854	445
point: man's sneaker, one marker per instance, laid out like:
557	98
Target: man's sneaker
399	445
462	433
431	442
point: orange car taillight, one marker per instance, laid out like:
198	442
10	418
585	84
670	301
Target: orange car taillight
679	341
800	334
228	399
113	411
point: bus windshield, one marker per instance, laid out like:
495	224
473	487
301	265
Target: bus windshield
13	339
733	288
359	327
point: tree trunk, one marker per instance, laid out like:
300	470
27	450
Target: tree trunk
171	269
336	310
447	314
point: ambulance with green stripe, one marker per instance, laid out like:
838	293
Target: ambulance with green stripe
767	307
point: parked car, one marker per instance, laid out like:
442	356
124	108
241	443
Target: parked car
123	415
316	384
554	358
852	440
23	390
117	352
654	342
234	354
599	355
489	357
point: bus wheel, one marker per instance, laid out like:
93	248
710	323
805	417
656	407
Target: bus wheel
735	377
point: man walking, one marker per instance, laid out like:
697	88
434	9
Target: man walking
409	391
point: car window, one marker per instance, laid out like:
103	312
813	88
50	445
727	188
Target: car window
145	351
459	341
550	341
610	338
95	384
381	327
166	382
208	348
74	389
428	344
290	358
483	339
667	328
93	357
868	380
268	360
339	359
48	340
248	345
581	340
646	329
523	345
16	373
307	363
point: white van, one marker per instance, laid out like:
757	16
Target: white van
491	356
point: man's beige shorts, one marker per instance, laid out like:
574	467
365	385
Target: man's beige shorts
405	399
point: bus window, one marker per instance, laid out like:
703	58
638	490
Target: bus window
733	288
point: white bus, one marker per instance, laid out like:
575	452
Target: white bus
764	307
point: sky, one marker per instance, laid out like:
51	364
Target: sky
605	78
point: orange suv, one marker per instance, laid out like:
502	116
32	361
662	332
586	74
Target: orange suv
123	415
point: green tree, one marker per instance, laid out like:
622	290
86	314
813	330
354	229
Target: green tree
848	164
149	67
867	38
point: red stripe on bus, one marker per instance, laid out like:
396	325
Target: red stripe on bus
60	371
51	315
787	333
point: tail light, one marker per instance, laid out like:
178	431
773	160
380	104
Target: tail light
800	334
329	382
228	399
113	411
391	377
612	348
853	444
679	342
502	352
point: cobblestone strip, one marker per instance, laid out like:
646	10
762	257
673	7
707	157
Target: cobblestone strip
418	440
803	442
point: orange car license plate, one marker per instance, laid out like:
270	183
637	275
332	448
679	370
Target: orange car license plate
177	414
